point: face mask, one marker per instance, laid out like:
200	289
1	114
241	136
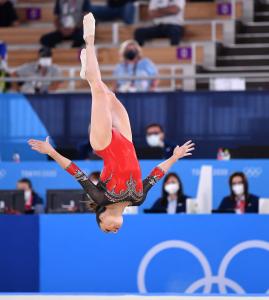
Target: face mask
153	140
95	182
27	195
45	61
171	188
130	54
3	65
238	189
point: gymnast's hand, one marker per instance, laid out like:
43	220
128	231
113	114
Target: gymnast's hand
184	150
43	147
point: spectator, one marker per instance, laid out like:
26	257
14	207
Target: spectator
240	200
94	177
68	23
4	86
8	15
33	203
155	137
133	64
173	199
167	16
115	9
43	68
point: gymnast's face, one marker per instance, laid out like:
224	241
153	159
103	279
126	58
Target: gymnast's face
110	222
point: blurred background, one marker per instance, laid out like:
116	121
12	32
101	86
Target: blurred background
184	70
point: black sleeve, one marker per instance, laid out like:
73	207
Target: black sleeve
155	175
223	205
93	193
38	200
252	204
157	206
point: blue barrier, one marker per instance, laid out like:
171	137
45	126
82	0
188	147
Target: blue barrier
151	253
212	119
19	254
184	253
19	122
48	175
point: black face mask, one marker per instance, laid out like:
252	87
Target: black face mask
130	54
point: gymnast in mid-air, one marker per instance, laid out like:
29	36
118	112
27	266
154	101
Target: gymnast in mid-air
120	184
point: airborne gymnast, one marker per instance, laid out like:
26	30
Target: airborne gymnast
110	135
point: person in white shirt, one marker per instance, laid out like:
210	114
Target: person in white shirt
167	17
173	199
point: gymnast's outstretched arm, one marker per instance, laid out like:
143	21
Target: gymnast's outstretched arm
44	147
158	172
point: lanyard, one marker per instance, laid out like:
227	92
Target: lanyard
133	73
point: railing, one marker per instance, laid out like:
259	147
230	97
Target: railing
174	78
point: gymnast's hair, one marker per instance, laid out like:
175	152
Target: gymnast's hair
99	211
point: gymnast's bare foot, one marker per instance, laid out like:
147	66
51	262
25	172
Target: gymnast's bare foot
89	29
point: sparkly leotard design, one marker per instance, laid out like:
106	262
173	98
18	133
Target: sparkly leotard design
121	174
120	179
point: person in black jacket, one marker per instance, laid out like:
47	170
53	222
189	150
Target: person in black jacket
240	200
155	137
173	199
33	202
8	15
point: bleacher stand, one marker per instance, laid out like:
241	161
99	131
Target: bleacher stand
221	39
43	68
68	23
167	17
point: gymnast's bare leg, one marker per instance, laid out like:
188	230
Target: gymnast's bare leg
107	111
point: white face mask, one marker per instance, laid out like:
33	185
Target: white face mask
171	188
95	182
3	64
45	61
238	189
27	195
153	140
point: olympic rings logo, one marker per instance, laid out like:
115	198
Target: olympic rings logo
253	172
209	279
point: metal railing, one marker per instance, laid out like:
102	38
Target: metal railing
173	78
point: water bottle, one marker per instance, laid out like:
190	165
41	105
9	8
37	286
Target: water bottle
226	155
220	154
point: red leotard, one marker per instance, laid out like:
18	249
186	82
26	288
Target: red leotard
121	176
121	172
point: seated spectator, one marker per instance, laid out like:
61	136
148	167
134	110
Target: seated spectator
4	86
94	177
43	68
68	23
240	200
8	15
33	203
115	10
155	137
167	16
134	64
173	199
